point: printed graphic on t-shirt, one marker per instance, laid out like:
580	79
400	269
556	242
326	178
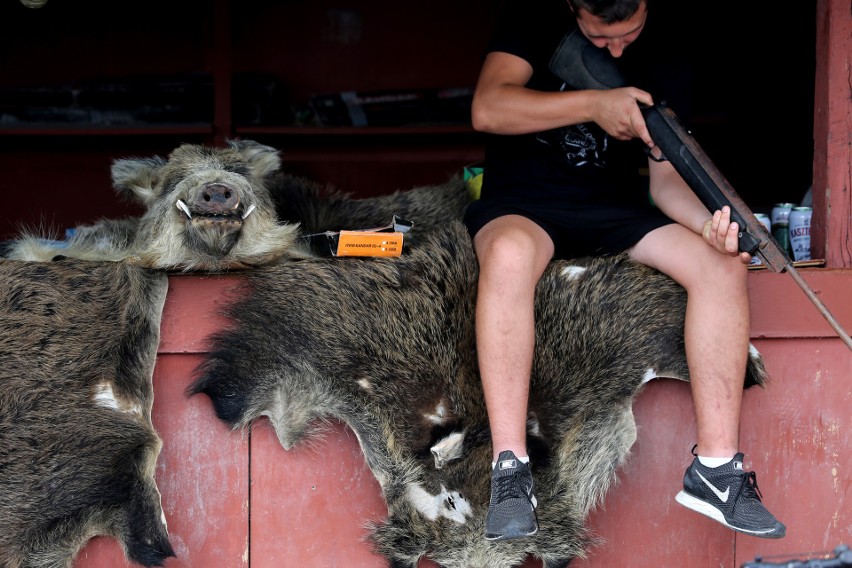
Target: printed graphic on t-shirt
582	145
578	144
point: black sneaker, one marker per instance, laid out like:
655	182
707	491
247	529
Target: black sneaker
511	512
729	494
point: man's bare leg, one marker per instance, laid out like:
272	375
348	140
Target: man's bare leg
716	331
717	340
513	252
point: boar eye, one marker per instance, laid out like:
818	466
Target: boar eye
169	183
240	169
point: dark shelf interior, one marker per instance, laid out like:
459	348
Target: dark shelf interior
113	81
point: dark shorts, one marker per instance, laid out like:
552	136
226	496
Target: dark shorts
577	230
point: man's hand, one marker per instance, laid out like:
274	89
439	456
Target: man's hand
617	112
722	234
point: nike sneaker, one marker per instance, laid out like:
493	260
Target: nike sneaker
729	494
511	511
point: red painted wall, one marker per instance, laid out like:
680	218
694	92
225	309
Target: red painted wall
235	499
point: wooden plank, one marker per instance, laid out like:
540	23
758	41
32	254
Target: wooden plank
798	435
202	472
779	308
309	504
191	312
831	234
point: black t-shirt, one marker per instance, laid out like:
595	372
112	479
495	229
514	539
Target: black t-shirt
579	162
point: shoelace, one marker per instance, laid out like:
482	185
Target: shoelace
749	487
509	487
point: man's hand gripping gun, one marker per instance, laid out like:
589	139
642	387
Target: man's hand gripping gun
583	66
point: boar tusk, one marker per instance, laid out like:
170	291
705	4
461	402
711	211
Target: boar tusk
182	206
248	211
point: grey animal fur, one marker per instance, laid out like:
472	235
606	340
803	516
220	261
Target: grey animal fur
77	447
318	209
216	209
395	360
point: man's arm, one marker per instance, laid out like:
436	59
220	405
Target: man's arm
502	104
675	198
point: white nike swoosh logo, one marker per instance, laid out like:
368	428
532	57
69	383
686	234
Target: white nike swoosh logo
722	495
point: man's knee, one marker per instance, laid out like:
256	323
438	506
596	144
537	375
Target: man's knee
513	245
730	268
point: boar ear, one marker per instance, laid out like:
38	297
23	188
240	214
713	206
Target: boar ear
263	160
135	178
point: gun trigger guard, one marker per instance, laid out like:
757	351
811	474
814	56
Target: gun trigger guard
656	154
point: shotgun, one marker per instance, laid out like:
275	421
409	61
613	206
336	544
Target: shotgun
842	559
583	66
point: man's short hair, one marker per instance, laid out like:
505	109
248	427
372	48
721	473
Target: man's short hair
609	11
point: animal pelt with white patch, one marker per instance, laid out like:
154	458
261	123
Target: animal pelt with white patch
77	446
215	209
387	347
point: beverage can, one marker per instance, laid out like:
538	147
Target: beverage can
781	212
800	232
764	219
781	234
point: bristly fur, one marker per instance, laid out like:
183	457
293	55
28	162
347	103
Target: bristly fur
395	360
78	449
218	209
319	208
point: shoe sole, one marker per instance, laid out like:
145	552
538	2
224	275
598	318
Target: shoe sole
510	536
513	536
708	510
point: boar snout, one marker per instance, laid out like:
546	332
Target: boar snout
215	199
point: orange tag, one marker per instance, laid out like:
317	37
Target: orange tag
368	243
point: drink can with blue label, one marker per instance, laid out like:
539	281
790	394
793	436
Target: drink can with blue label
781	212
800	232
